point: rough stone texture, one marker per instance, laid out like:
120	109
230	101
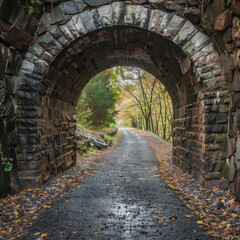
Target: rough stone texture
193	14
223	21
69	39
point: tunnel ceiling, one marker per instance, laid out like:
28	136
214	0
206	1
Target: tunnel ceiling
109	47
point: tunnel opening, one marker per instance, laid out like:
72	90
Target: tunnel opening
60	63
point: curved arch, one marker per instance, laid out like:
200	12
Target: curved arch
76	48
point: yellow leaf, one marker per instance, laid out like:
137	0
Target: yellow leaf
35	234
200	222
44	235
16	213
67	200
33	196
171	186
126	165
3	232
234	215
95	233
222	201
10	230
29	190
70	180
46	206
188	216
146	177
228	225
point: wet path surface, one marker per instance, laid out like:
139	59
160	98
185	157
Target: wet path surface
123	199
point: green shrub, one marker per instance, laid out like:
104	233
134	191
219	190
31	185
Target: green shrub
7	164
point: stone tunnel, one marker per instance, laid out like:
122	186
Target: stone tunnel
47	58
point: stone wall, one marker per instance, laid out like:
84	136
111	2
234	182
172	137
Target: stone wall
43	143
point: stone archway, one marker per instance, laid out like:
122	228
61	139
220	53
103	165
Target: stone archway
79	43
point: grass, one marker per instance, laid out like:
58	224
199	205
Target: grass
156	136
112	138
153	134
90	152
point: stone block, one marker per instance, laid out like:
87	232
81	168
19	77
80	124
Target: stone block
23	40
237	186
105	13
48	43
198	41
94	3
235	84
224	184
87	20
193	14
211	183
185	34
97	18
129	14
145	15
211	175
165	20
231	147
76	26
30	24
235	7
73	7
118	12
209	166
14	64
155	20
31	181
223	21
232	170
137	17
67	33
214	9
173	26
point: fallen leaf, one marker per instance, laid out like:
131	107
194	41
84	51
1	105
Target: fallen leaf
171	186
35	234
200	222
44	235
144	232
95	233
159	218
188	216
46	206
10	230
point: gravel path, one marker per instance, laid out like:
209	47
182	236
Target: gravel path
123	199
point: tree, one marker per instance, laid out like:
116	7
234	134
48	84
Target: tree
97	102
150	97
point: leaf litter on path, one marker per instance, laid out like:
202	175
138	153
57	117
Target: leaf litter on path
216	210
18	211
